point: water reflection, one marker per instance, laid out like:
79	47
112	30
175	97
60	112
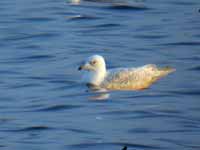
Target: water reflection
98	93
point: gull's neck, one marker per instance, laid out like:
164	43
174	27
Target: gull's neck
96	77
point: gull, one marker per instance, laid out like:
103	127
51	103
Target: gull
138	78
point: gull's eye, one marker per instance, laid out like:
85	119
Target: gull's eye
93	62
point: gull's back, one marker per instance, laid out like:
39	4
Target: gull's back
134	78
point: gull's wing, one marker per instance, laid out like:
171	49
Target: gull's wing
134	78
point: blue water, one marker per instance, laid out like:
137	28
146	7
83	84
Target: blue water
43	104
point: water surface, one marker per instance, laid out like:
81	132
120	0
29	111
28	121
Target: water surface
45	106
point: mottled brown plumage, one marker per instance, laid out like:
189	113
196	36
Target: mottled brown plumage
134	78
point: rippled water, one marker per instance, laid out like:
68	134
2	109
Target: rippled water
43	104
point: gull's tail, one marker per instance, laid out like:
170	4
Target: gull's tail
165	71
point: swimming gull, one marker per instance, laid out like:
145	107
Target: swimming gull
137	78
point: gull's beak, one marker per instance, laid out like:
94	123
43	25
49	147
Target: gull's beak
85	67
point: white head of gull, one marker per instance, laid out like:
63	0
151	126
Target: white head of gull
96	70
